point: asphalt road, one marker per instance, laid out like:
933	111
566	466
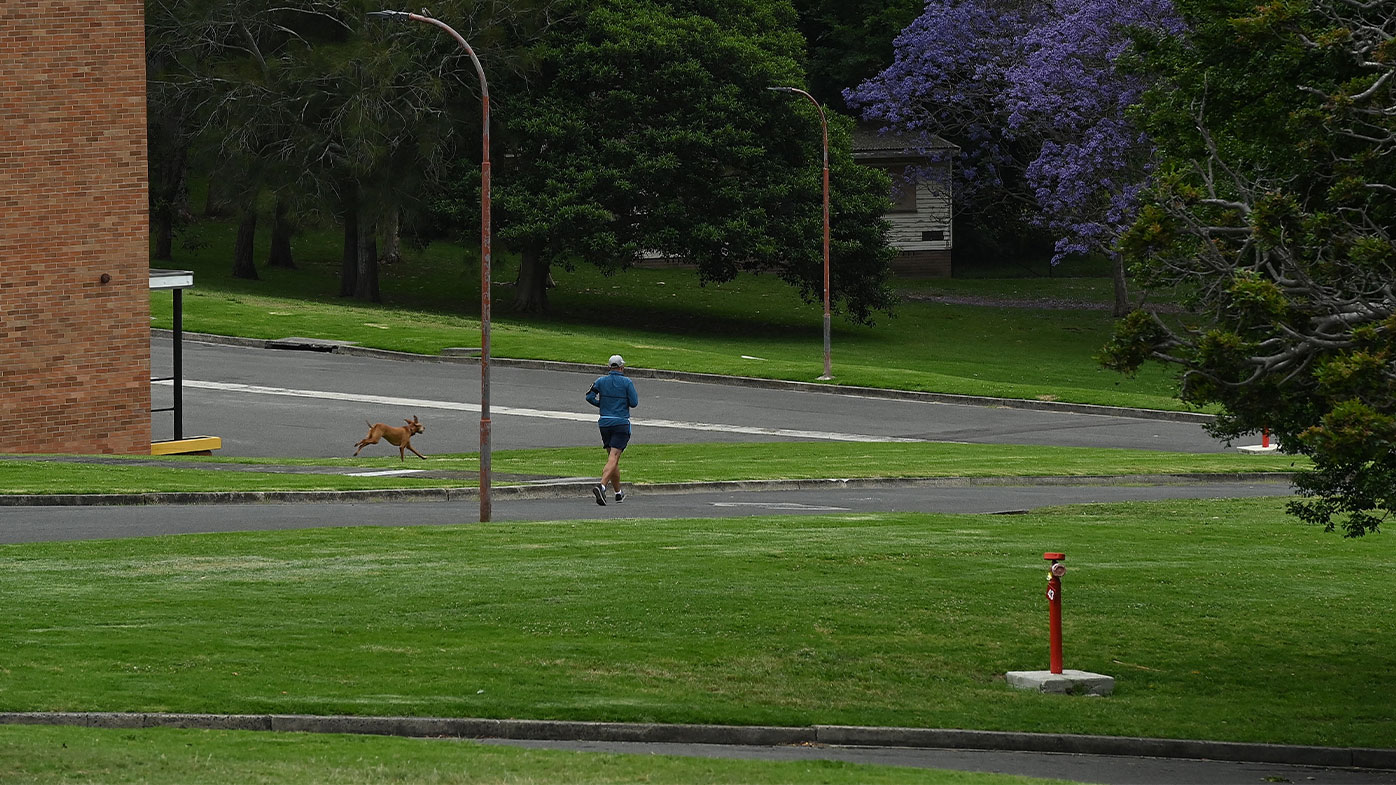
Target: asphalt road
58	523
268	402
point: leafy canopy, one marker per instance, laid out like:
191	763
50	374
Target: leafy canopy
648	128
1273	214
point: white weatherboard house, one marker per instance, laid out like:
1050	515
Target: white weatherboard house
921	209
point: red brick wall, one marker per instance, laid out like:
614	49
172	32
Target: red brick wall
74	351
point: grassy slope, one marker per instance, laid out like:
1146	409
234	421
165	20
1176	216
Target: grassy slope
664	319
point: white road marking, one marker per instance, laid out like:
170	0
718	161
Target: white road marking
420	403
781	506
389	473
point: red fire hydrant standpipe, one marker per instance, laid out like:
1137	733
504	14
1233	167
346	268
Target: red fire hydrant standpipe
1059	679
1054	608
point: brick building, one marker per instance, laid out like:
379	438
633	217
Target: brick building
74	247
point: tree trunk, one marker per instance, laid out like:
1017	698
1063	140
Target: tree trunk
1121	290
215	204
392	231
162	224
531	288
243	266
282	227
349	264
169	200
366	287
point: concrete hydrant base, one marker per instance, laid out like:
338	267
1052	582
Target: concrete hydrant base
1067	682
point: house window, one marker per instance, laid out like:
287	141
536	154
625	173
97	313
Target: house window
933	236
903	191
903	198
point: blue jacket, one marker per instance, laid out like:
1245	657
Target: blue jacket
615	395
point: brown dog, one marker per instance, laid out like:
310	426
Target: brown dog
401	438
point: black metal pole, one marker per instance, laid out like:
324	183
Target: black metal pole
178	364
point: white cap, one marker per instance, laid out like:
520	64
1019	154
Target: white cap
617	361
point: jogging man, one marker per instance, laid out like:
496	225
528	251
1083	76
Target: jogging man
615	395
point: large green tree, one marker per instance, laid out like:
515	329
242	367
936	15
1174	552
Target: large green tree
305	109
848	42
217	77
168	139
648	128
1274	214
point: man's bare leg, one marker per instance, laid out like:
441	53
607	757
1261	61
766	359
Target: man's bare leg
611	474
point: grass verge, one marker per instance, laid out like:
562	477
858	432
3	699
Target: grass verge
644	464
1220	620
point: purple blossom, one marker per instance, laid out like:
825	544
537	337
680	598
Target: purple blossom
1033	94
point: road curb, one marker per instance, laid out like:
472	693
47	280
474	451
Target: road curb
564	490
758	735
734	381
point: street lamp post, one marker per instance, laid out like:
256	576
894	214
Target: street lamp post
824	127
485	436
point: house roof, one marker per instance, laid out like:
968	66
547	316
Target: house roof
870	141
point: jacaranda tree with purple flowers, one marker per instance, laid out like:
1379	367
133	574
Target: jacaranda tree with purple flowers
1037	96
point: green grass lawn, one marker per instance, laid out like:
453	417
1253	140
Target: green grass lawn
644	464
1220	620
754	326
48	756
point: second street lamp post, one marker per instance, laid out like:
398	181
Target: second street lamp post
485	426
824	127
